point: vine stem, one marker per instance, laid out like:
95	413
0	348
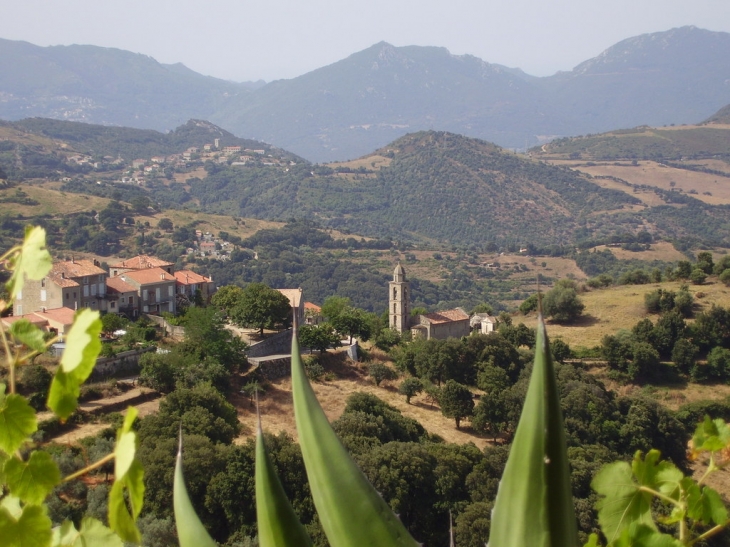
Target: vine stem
95	465
10	360
711	532
660	496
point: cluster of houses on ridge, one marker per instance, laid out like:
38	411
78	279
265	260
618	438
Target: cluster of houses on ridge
142	284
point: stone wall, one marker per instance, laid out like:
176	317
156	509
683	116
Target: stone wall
174	331
125	363
278	344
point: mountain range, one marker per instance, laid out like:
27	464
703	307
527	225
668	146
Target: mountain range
372	97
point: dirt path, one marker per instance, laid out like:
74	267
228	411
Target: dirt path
145	400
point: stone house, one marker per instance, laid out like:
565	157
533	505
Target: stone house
155	288
123	297
139	262
441	325
70	283
188	283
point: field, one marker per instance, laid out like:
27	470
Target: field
621	307
651	173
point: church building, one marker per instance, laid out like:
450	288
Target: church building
439	325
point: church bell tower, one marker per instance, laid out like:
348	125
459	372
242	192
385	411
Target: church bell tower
398	300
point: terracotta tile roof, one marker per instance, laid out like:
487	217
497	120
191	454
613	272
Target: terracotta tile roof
61	281
447	316
65	316
33	318
294	296
189	277
149	276
76	268
313	307
141	262
117	284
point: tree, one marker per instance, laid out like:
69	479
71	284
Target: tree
684	354
112	322
227	297
261	307
165	224
645	361
562	302
456	401
352	322
380	372
684	269
490	415
529	304
410	387
705	262
319	337
334	306
697	276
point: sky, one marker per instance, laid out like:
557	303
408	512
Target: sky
243	40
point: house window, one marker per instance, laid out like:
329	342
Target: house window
74	294
67	296
395	293
43	283
394	310
101	278
170	290
112	305
122	300
86	280
131	300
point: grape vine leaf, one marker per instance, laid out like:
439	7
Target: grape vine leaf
711	435
27	333
92	533
26	527
78	360
34	260
129	477
622	502
17	421
705	505
33	480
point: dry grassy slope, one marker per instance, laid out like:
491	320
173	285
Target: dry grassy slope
615	308
277	413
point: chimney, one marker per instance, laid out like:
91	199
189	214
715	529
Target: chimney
162	276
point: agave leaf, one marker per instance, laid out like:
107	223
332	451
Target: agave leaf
352	513
277	523
190	530
534	505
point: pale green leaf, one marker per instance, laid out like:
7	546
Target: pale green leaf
78	360
129	478
711	435
34	260
278	525
190	530
352	513
92	534
124	453
82	344
622	503
668	480
534	505
32	528
27	333
592	541
120	520
33	480
3	458
705	505
17	421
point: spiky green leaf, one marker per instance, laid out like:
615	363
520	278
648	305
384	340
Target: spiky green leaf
78	360
34	261
352	513
278	524
17	421
129	478
190	530
534	505
33	480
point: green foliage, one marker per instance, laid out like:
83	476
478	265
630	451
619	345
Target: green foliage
189	528
529	304
320	337
410	387
261	307
456	401
336	483
380	372
562	302
353	322
537	468
30	475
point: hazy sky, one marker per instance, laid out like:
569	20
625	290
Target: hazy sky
271	39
